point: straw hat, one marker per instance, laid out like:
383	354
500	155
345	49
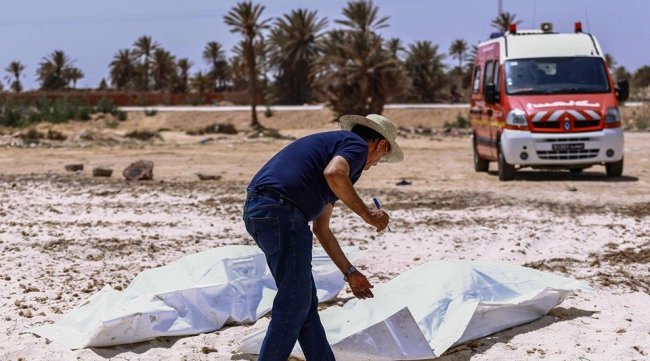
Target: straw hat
381	125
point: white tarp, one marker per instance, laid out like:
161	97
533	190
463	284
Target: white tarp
198	293
425	311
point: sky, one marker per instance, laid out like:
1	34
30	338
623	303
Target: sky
92	31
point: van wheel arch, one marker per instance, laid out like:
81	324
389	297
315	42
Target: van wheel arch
506	171
480	164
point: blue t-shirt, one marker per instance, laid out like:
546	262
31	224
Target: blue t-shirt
297	170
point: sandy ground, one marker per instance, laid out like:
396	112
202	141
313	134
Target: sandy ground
64	235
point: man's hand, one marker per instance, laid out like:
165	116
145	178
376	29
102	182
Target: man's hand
377	218
359	285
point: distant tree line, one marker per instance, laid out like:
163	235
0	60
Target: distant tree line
294	59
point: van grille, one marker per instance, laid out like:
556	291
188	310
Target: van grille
555	119
585	123
547	125
565	140
567	154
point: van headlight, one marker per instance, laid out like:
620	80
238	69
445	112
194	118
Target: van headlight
517	118
612	115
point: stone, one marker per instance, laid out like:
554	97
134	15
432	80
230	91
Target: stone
140	170
102	172
74	167
404	182
206	177
86	134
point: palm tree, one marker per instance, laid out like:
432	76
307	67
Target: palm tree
15	69
144	49
457	50
469	67
356	71
469	63
182	78
73	75
394	46
362	16
425	67
122	69
214	56
641	77
610	62
293	52
201	83
102	85
622	74
237	72
244	19
163	69
52	71
503	20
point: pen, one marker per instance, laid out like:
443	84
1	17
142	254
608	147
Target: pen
376	201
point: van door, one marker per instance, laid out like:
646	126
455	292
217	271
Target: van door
482	112
480	128
497	118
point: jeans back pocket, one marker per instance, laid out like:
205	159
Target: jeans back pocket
266	233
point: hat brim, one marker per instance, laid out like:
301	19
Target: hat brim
395	155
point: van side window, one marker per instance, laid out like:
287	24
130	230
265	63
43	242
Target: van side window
489	73
476	85
496	75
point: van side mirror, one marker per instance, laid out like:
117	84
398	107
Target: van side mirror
491	94
622	90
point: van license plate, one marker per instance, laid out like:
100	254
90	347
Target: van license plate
568	146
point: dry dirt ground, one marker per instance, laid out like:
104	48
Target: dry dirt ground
63	236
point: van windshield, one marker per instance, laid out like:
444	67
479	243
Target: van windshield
556	76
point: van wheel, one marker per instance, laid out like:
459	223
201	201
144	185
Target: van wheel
506	171
480	164
614	169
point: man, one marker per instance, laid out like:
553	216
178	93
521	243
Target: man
298	185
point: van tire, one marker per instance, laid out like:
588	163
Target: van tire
506	171
480	164
614	169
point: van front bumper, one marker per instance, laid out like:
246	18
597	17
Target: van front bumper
557	149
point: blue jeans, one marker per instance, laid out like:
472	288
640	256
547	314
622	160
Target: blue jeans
280	229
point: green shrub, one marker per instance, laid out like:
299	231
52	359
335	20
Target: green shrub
23	114
84	113
11	114
462	122
268	112
106	106
120	115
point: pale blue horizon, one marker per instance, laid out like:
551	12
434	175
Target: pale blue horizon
91	32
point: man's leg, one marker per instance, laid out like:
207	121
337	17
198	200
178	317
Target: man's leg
283	243
312	338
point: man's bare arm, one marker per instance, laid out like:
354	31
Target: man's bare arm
358	282
337	175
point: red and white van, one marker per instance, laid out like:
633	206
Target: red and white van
545	100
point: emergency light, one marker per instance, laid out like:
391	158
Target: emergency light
547	27
512	28
578	27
